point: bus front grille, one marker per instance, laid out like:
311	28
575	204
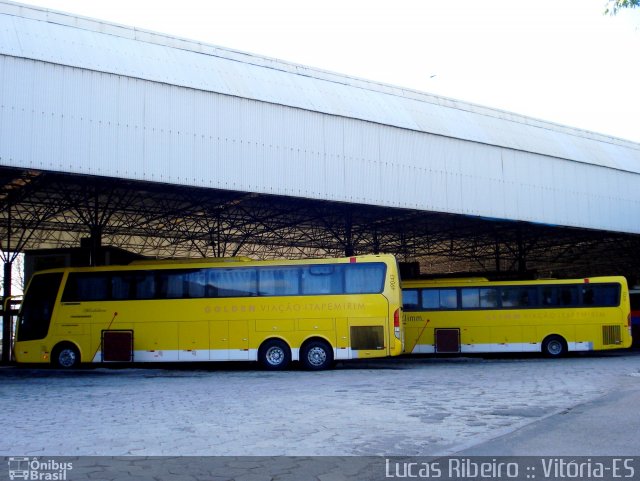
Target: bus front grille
611	335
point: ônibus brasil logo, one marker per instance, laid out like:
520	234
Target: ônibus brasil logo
38	470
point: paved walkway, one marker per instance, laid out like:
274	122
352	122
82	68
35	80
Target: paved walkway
606	426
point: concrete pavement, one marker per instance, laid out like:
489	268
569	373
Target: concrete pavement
403	407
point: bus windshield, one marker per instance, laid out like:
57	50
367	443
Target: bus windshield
37	307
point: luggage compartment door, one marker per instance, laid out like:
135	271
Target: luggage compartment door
447	340
117	346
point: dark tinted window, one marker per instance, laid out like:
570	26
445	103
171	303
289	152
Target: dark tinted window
519	296
279	281
514	297
133	285
233	282
601	295
489	298
316	279
87	286
430	299
479	298
363	278
37	306
434	299
322	279
560	296
195	284
170	284
410	299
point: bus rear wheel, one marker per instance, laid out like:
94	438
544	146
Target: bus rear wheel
554	346
316	356
274	355
65	356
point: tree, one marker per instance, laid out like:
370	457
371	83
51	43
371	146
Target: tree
17	279
614	6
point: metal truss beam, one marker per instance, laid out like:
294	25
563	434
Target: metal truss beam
50	210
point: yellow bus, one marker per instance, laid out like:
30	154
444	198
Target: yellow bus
548	316
275	312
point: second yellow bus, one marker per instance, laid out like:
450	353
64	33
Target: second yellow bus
548	316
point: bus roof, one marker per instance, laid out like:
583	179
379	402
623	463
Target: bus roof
205	260
220	262
483	282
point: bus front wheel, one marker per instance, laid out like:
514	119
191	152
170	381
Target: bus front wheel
554	346
65	356
274	355
316	356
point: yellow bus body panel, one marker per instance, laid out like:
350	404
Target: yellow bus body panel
218	329
518	330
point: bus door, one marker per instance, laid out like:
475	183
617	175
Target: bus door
447	340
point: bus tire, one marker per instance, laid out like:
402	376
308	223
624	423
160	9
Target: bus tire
65	356
554	346
274	355
316	356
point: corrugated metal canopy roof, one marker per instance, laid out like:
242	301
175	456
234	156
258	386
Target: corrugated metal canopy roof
59	38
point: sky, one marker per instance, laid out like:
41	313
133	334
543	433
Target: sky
557	60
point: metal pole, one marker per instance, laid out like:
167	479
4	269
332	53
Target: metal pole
6	304
522	260
6	314
96	246
376	242
348	236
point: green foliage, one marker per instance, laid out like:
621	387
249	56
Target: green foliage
614	6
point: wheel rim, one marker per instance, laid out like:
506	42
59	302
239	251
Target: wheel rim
317	356
67	358
554	347
274	355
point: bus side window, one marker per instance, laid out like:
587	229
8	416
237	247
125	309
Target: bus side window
607	295
279	281
470	297
488	298
549	296
448	299
568	295
322	279
588	296
410	300
234	282
145	285
560	296
171	284
519	296
367	278
82	286
476	298
431	299
196	282
509	296
122	286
